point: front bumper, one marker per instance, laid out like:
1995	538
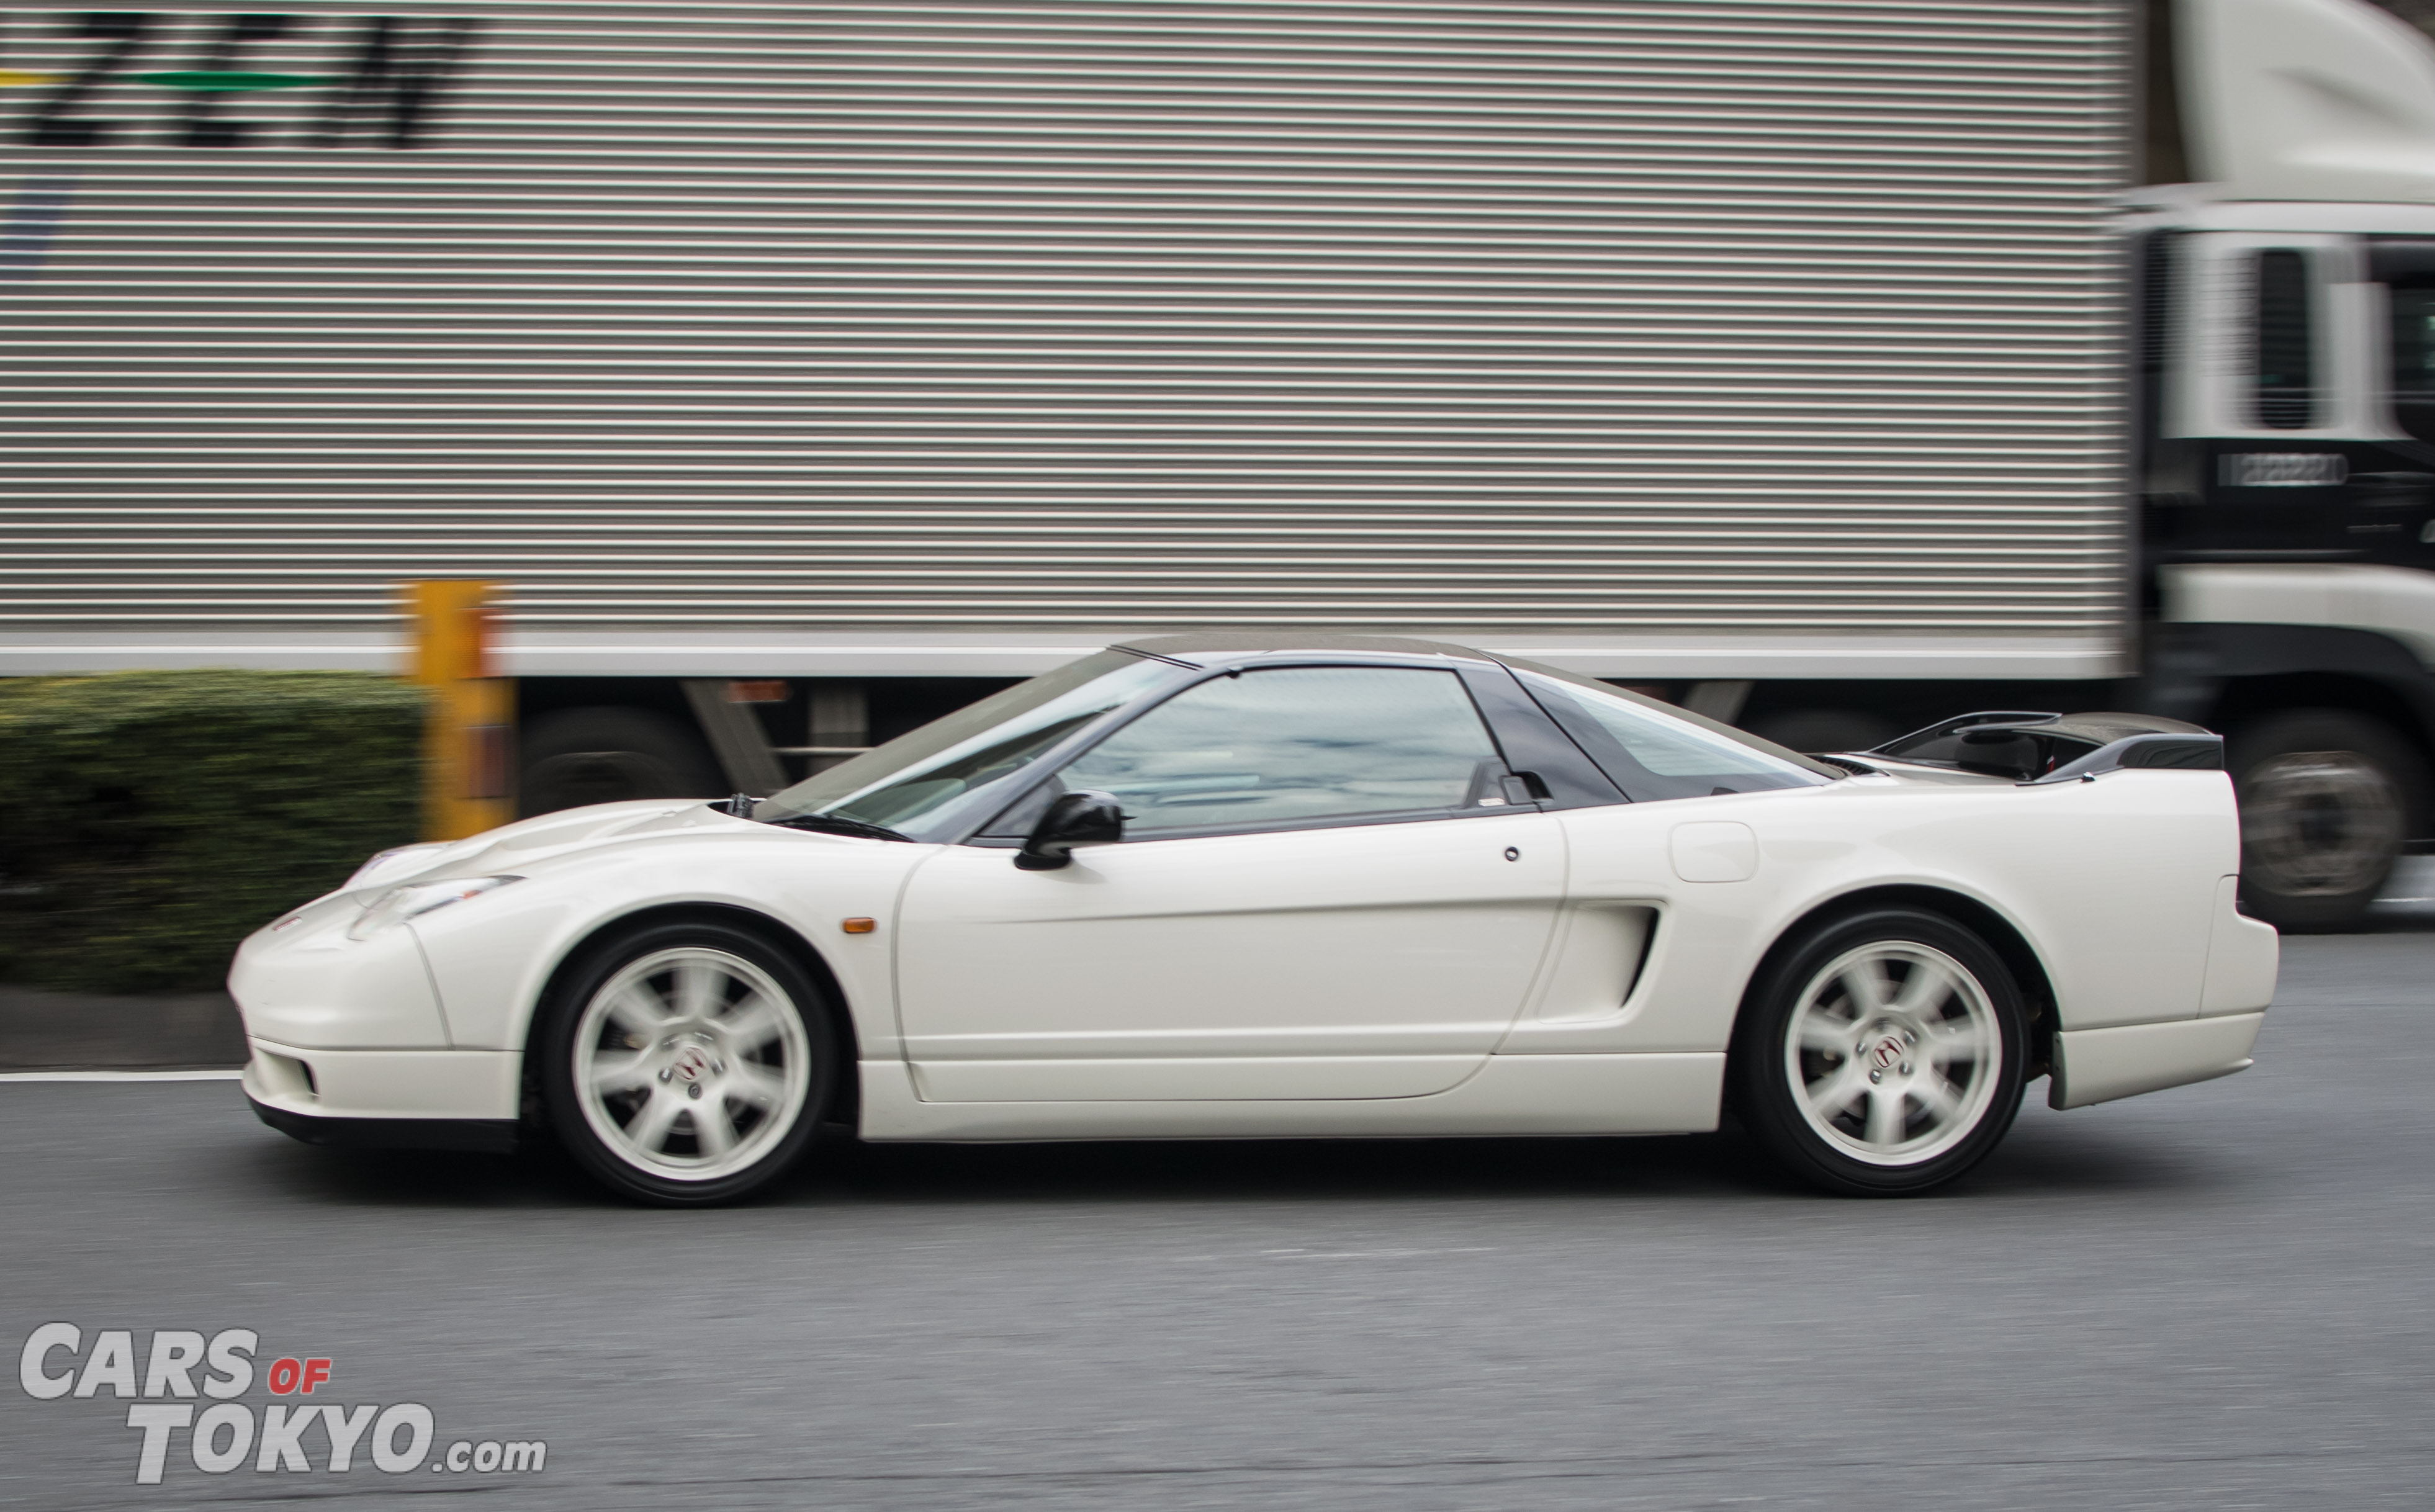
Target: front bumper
411	1099
482	1135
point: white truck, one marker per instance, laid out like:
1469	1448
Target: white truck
804	368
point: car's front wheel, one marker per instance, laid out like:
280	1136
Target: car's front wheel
1882	1054
687	1063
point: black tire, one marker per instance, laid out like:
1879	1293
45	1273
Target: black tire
697	1053
573	757
2326	798
1924	1151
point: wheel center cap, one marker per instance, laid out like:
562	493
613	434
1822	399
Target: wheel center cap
1886	1053
691	1064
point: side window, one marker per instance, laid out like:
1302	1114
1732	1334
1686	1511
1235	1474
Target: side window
1290	745
1651	754
2412	305
2286	371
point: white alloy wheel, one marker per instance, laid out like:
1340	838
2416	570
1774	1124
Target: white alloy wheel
1892	1052
690	1063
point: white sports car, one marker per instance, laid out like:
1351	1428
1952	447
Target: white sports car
1206	887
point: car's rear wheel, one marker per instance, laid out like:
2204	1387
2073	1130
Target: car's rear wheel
1882	1054
687	1063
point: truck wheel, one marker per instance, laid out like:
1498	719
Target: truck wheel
1825	730
2326	798
579	756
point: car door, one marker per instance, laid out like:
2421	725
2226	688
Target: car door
1327	889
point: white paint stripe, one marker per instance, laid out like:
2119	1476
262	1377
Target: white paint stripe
120	1076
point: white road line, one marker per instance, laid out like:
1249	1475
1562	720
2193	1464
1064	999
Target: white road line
120	1076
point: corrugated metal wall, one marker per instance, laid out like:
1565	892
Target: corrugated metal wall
1574	318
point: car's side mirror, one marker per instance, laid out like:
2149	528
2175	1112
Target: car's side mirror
1076	818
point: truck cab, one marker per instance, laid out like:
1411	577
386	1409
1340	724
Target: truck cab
2283	340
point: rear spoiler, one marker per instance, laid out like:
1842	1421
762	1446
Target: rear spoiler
2034	748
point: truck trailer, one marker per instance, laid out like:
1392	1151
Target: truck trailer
803	371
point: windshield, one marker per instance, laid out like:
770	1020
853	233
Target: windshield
940	773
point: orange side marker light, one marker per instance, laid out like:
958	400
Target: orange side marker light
859	926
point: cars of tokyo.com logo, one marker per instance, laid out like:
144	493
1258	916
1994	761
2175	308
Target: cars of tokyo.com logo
180	1366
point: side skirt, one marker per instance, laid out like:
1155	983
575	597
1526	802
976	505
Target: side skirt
1512	1095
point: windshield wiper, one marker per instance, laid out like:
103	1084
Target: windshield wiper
834	824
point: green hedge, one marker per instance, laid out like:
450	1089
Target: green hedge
151	820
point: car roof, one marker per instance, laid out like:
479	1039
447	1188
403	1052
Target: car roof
1219	647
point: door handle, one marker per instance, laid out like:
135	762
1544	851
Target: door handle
1524	787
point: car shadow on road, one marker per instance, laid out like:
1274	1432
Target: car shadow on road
1658	1170
2037	1162
538	1179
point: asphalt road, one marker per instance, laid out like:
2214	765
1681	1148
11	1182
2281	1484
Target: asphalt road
2214	1298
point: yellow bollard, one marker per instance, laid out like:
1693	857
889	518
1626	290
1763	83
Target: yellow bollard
469	740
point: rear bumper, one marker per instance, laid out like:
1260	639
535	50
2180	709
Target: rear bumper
396	1099
2098	1065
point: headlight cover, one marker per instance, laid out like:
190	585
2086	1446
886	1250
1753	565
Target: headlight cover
399	905
387	861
